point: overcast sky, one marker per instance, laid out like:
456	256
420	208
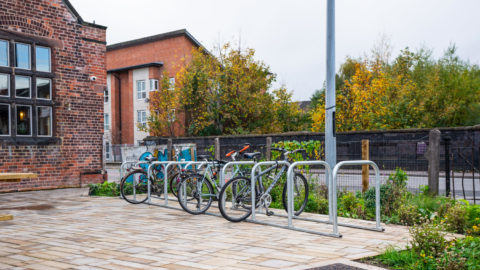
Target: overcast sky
289	36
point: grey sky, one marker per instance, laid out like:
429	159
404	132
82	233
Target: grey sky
289	36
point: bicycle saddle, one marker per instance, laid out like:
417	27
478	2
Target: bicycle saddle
252	155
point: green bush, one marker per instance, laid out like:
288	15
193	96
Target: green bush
409	215
428	239
109	189
456	218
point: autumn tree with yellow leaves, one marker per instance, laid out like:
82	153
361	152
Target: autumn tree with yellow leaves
414	91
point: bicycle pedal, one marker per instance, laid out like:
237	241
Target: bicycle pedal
270	213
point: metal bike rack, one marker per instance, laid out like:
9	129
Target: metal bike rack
124	164
200	163
337	167
231	163
332	200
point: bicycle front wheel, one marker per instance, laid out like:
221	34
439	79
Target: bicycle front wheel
134	187
300	194
235	199
195	194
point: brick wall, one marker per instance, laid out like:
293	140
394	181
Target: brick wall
74	154
173	52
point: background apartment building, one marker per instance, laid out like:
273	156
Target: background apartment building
134	69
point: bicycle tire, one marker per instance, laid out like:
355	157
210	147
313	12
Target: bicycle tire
238	186
140	188
305	199
188	192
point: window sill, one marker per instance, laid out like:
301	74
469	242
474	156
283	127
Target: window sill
29	140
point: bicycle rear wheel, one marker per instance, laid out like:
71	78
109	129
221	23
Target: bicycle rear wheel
235	199
134	187
195	194
300	194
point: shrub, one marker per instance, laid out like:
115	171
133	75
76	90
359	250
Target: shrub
109	189
428	239
392	194
316	204
409	215
456	218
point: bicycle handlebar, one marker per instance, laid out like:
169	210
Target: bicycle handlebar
247	145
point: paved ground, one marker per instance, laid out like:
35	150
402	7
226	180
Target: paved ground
61	229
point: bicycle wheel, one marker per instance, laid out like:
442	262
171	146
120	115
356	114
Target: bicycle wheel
300	194
133	187
235	199
195	194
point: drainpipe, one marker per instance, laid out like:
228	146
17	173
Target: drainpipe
119	105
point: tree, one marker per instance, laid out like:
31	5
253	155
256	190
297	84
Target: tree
230	94
163	107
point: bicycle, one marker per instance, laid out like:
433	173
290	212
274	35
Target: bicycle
196	192
134	185
235	197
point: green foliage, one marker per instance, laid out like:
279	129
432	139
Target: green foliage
314	149
462	253
428	238
412	91
230	93
109	189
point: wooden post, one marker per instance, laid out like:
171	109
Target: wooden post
217	148
268	148
433	156
170	149
365	168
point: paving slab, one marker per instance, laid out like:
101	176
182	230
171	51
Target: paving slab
66	229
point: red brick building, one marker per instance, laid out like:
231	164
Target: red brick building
52	82
134	69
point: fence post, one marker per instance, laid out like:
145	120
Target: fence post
447	165
170	149
365	168
217	148
268	148
433	156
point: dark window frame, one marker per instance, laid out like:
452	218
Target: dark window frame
11	70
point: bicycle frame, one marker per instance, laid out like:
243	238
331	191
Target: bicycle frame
254	178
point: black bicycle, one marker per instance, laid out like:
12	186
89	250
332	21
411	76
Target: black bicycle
235	201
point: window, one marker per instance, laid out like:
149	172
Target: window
106	122
22	87
153	85
107	150
24	120
172	83
141	91
22	56
105	95
4	119
44	88
4	53
42	58
44	116
171	116
4	85
142	118
26	90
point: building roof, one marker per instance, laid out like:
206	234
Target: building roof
79	18
140	41
304	105
151	64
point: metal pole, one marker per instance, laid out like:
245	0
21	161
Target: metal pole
330	140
